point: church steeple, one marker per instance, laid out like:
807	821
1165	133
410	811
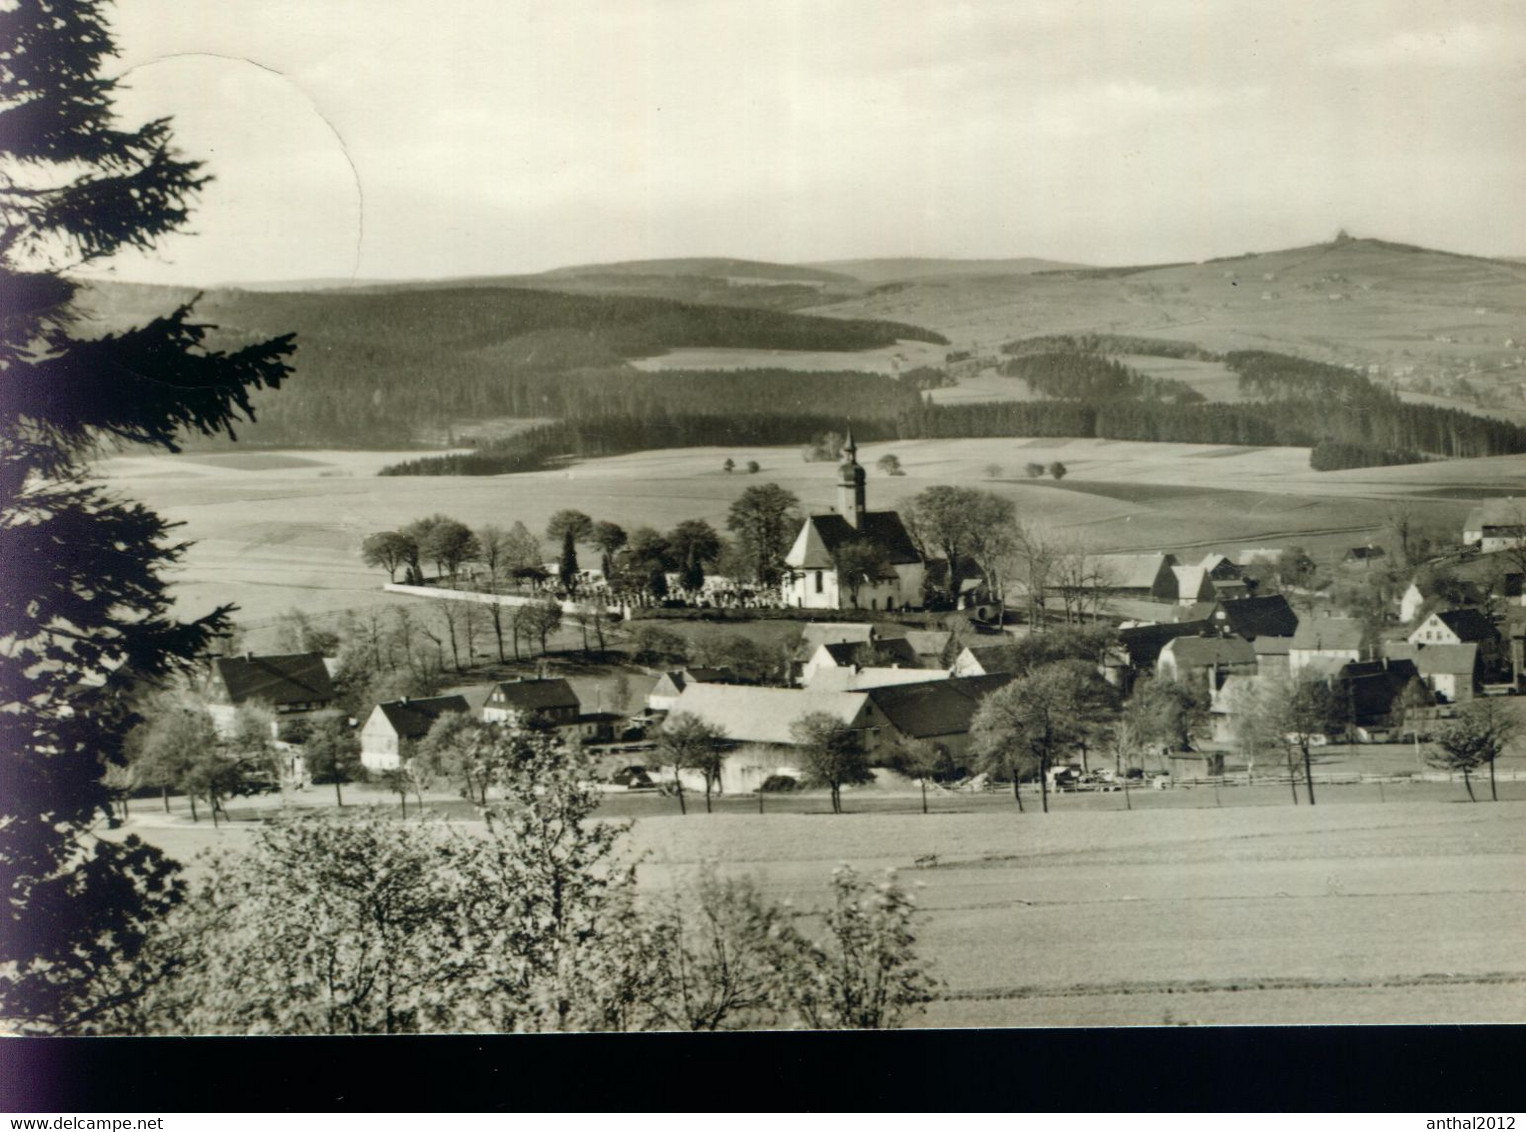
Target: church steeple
850	484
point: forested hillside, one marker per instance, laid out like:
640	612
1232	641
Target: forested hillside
1345	419
385	368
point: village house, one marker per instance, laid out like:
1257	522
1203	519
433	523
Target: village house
392	728
1254	617
1414	598
670	685
1363	555
1272	655
1498	524
1141	577
1371	693
1193	585
855	679
1324	643
1205	661
758	721
293	685
1452	672
983	660
929	645
1454	627
887	652
813	581
551	703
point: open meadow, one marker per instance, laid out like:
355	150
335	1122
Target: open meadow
275	530
1409	910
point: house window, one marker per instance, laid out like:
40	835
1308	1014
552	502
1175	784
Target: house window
818	581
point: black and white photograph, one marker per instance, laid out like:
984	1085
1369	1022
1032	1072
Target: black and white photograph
583	516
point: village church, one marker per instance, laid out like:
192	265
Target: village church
814	581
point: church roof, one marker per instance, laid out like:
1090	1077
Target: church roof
823	535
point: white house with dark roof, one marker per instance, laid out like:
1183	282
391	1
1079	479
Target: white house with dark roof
889	652
393	726
1454	627
813	582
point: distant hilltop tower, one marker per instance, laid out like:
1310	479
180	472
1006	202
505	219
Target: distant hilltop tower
850	484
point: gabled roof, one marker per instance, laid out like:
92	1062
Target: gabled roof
1437	660
534	695
1365	553
928	642
1329	634
1144	642
286	679
814	635
1468	624
862	679
1252	617
1192	581
1208	652
993	658
764	715
412	719
1130	571
822	535
1371	688
886	653
943	707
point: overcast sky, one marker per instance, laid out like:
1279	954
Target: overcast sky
415	138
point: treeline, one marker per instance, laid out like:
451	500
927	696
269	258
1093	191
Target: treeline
1272	376
1094	343
1332	456
1076	376
1394	433
376	368
588	437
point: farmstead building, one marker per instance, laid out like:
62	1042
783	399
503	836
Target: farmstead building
814	581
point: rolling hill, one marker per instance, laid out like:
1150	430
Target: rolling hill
910	268
398	366
1414	313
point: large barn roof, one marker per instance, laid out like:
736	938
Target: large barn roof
286	679
1130	571
764	715
1321	634
944	707
534	695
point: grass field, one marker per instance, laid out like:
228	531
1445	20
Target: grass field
904	355
278	530
1351	911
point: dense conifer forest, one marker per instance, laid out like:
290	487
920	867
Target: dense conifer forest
377	369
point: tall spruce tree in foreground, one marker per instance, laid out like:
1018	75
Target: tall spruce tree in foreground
83	600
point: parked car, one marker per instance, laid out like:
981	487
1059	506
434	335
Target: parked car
632	778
